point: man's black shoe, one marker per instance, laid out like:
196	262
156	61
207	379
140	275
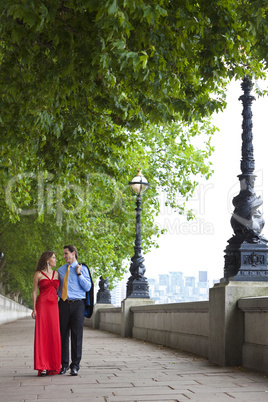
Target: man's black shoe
63	370
74	371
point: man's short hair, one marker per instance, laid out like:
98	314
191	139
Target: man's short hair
72	249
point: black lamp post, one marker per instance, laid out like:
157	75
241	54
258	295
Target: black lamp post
246	253
137	286
103	294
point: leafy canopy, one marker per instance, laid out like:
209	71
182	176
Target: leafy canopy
70	67
92	89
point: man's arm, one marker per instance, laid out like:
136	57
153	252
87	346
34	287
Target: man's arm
83	277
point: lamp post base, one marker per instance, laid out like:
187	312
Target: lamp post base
138	288
104	295
246	262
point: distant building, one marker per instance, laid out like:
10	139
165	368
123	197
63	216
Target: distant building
181	289
153	287
203	276
169	288
118	293
190	281
163	280
176	282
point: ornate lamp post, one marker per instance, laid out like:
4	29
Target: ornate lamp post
246	254
137	286
104	295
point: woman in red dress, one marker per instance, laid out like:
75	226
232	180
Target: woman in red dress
47	343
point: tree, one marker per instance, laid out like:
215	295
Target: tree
70	67
90	89
74	73
94	210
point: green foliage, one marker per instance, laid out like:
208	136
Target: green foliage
91	90
74	67
91	208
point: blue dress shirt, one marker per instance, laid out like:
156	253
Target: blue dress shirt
78	285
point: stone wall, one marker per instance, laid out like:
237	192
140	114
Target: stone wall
182	326
230	329
110	320
11	310
255	345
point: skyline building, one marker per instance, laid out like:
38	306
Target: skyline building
173	287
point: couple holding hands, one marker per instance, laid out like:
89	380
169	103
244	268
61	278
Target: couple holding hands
55	321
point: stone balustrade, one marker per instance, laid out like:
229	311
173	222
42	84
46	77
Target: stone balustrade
255	345
11	310
230	329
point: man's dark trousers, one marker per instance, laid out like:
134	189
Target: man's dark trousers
71	319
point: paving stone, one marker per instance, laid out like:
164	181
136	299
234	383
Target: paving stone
115	369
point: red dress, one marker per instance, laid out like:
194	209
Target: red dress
47	343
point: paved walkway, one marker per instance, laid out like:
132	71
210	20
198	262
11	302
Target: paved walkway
115	369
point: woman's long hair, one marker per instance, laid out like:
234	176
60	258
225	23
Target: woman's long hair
42	262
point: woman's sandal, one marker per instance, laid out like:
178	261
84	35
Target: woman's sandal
43	373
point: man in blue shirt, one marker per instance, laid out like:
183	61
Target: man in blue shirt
74	283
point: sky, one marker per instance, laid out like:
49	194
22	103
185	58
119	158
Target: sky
199	244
